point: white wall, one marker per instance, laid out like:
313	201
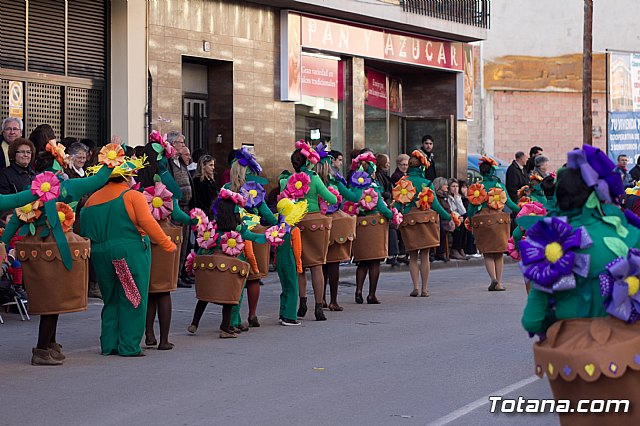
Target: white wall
554	27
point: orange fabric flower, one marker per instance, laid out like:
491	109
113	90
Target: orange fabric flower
425	198
497	198
477	194
29	212
524	191
66	216
523	201
456	219
534	178
111	155
423	158
57	150
485	159
404	191
467	224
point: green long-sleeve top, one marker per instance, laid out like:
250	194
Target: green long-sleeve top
262	210
13	201
416	177
70	190
381	206
488	183
316	188
244	232
584	301
346	193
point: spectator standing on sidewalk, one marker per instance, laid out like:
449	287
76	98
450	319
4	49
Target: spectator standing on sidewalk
18	176
402	165
621	169
11	130
456	204
533	153
384	181
517	175
427	148
542	166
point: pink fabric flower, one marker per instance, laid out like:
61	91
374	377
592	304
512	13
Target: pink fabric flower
532	209
369	199
234	196
46	186
511	249
397	217
160	200
275	235
325	206
207	235
305	149
188	263
169	150
232	243
298	185
351	208
367	156
203	219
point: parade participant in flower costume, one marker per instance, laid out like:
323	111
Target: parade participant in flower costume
218	278
246	180
343	225
420	228
162	200
286	237
50	252
490	225
315	227
585	267
513	246
372	227
119	224
532	193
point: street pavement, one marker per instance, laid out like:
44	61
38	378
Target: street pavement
408	361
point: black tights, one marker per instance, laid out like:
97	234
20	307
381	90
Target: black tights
47	330
372	267
225	325
332	276
160	303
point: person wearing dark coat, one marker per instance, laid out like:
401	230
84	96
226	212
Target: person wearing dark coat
517	175
427	148
19	174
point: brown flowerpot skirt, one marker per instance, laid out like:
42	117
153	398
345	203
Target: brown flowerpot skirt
165	267
491	230
420	229
343	232
261	251
220	278
595	359
51	288
373	238
314	232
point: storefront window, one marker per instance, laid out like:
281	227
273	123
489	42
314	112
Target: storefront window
381	106
320	113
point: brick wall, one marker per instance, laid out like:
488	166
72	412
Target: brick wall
552	120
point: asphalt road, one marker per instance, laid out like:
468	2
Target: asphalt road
407	361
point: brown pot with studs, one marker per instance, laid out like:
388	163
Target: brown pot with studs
165	267
372	242
314	232
51	288
341	236
420	229
262	253
219	278
491	230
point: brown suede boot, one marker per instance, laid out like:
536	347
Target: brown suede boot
56	351
43	357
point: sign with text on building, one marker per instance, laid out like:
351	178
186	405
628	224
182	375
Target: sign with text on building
319	77
623	124
376	91
16	99
371	42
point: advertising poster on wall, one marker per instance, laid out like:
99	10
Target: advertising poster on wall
469	82
376	91
290	57
319	77
623	124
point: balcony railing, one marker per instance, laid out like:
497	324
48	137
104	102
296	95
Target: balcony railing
468	12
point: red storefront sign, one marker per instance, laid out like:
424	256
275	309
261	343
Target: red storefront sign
319	77
381	44
376	95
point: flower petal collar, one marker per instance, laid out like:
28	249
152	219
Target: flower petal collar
619	285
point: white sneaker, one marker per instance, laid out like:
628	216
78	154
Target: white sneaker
287	322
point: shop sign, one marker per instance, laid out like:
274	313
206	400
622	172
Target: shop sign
376	91
319	77
623	124
624	134
377	43
16	99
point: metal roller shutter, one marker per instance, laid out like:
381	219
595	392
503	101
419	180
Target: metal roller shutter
86	48
12	34
46	36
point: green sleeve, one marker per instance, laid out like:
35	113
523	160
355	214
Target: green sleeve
438	207
517	237
346	192
322	190
472	210
12	227
267	214
512	206
252	236
536	317
382	206
170	183
12	201
178	215
76	188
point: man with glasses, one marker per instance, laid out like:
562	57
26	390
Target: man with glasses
11	130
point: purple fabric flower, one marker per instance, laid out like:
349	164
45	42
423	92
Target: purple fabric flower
245	159
597	172
254	193
360	179
548	254
322	151
619	286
